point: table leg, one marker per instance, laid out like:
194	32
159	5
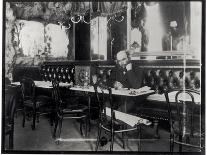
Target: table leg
184	117
156	123
125	104
89	112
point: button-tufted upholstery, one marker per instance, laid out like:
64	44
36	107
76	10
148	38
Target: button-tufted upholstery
158	79
61	73
170	78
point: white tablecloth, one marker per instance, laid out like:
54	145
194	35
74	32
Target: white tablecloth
186	97
44	84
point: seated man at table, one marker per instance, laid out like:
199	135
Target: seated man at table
122	76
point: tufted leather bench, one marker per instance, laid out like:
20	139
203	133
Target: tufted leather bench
155	106
159	79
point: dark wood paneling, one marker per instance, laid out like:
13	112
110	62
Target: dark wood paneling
26	71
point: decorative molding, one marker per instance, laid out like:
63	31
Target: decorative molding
164	53
169	66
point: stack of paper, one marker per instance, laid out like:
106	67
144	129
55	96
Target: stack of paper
142	89
127	118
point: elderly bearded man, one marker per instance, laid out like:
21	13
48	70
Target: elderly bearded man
123	76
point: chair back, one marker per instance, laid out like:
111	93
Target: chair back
10	104
102	99
56	94
99	99
184	111
11	96
28	89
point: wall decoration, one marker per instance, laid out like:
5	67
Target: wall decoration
10	55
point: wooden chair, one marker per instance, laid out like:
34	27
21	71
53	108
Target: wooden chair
35	104
66	110
185	118
10	108
112	121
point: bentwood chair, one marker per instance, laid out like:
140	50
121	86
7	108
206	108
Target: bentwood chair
33	104
112	121
184	109
66	110
10	108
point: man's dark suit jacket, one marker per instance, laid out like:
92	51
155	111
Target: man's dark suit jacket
129	79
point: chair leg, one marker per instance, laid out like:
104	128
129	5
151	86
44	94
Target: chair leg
112	141
187	140
139	137
51	119
34	119
24	117
123	136
171	142
86	129
38	117
85	133
11	138
81	127
98	137
60	129
16	114
89	114
180	145
55	128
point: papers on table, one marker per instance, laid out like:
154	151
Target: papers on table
127	118
140	90
121	92
15	83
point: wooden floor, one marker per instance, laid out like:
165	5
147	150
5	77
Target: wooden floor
41	139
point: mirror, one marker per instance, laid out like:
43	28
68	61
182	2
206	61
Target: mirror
166	26
98	30
153	24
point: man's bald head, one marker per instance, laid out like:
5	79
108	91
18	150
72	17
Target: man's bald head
121	55
122	58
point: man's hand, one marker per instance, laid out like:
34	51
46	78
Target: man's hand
129	67
117	85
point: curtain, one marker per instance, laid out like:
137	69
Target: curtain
62	11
